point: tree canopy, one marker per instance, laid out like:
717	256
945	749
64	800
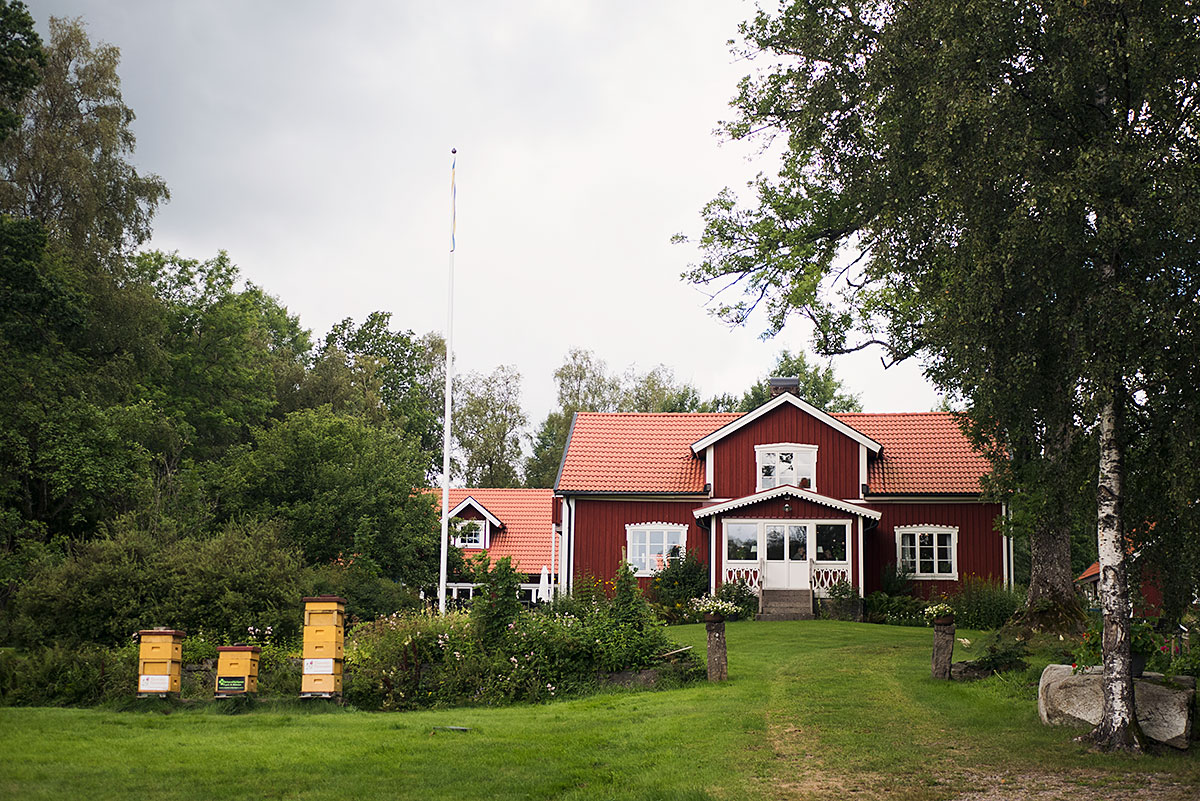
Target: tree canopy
1006	191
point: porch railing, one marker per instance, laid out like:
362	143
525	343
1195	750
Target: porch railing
825	576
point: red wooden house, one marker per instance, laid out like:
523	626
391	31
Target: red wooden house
786	497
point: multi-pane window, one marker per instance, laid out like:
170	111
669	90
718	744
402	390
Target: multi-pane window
784	541
649	545
470	533
928	552
786	464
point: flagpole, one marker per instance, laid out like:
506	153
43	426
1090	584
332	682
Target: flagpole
449	384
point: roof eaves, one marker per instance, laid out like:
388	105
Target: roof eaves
566	447
770	406
795	492
470	501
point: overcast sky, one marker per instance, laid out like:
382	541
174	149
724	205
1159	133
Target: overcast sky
311	140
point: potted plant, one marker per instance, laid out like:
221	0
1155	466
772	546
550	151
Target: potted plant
714	609
940	614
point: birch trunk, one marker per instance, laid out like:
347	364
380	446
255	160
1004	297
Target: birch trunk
1118	729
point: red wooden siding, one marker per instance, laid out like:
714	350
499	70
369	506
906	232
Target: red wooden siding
978	541
600	531
735	469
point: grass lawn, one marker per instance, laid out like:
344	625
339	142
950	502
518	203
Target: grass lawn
814	709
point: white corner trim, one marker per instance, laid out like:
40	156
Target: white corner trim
787	397
708	469
862	468
469	501
786	489
935	529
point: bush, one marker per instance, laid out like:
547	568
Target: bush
413	661
983	604
496	602
131	579
895	580
740	595
368	593
60	676
843	602
673	588
899	610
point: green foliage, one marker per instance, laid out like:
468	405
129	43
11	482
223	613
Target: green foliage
818	385
1143	641
412	661
487	428
740	595
894	610
496	603
339	487
58	675
681	580
843	603
107	589
21	62
895	580
984	604
368	593
1004	654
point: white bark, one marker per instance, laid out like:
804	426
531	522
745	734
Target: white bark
1118	728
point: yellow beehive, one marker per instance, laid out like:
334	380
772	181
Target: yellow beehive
160	661
318	684
324	645
237	670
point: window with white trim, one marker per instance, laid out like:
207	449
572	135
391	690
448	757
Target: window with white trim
470	533
786	463
648	546
928	551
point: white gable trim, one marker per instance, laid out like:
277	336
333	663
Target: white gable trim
786	397
787	489
469	501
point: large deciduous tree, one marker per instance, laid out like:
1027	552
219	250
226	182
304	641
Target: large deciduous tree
1018	182
21	62
69	164
488	422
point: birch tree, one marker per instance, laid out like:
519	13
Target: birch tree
1005	191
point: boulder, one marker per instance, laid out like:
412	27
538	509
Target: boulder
1164	709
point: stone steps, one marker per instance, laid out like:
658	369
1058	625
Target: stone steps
786	605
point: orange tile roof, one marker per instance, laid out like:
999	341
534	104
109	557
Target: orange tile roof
527	515
626	452
923	453
1092	572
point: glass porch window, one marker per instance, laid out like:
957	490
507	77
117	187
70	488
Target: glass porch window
831	542
741	542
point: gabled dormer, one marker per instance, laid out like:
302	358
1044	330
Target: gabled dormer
474	525
786	442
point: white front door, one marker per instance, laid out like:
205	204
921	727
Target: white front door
785	548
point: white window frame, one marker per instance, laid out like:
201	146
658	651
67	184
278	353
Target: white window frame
916	531
800	454
636	533
484	531
810	538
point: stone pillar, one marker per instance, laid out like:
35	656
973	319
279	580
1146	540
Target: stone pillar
943	646
718	660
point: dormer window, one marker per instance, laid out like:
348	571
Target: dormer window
786	463
470	533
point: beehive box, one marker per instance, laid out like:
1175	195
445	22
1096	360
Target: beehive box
160	661
324	646
237	670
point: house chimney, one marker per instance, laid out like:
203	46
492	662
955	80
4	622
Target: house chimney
782	384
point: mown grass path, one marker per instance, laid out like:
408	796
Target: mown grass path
812	710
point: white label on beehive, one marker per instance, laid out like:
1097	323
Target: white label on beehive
154	684
318	666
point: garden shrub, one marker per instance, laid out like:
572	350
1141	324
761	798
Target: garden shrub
740	595
983	604
130	579
496	602
895	580
410	661
57	675
898	610
673	588
843	602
